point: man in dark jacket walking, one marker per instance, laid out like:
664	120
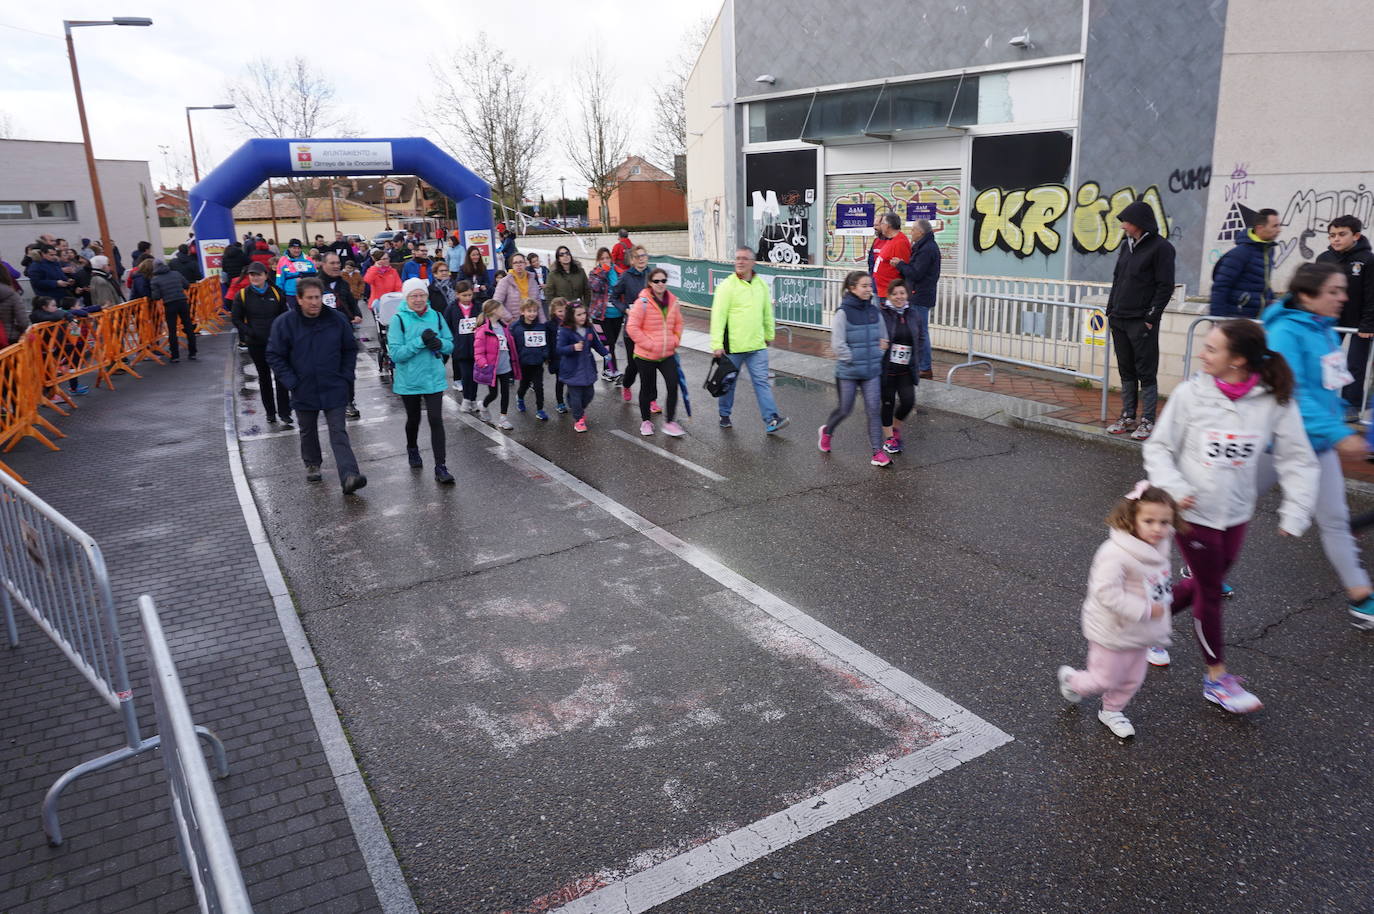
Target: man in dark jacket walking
313	350
922	276
186	263
1142	285
1242	280
169	287
338	295
253	311
1350	251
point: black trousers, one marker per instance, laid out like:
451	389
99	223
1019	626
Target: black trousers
434	408
179	311
503	386
532	376
276	399
1356	359
611	327
462	372
898	397
309	420
1137	359
648	385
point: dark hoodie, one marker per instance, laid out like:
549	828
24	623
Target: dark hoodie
167	285
1143	281
1358	263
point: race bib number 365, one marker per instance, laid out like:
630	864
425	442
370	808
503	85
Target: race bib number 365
1223	449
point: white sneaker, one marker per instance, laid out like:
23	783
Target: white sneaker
504	424
1069	694
483	413
1157	656
457	385
470	406
1116	722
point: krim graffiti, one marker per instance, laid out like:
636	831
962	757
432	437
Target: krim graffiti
1024	222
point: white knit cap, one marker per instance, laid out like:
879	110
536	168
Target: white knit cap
410	285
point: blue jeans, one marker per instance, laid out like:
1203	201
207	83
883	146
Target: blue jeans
756	363
923	312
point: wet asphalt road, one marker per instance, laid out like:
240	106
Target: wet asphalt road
540	696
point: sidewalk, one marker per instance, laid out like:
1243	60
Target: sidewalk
1014	396
145	471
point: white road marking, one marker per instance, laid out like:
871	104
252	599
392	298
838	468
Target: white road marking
680	461
971	736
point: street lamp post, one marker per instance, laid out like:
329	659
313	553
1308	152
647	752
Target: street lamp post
563	202
195	166
67	26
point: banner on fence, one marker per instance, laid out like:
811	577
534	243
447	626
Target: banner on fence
798	294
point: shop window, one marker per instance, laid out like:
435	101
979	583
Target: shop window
778	119
841	113
937	103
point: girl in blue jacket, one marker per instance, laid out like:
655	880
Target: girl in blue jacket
1301	328
576	367
859	337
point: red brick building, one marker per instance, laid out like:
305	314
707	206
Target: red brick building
647	196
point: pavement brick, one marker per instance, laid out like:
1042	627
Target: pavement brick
163	508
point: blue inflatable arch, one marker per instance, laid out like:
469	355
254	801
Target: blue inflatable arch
213	199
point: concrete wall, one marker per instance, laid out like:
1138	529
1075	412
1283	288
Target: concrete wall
806	43
1149	109
38	170
1293	126
708	149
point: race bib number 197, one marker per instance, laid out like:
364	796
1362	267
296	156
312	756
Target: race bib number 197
901	355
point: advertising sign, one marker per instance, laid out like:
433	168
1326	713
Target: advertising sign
359	158
212	250
915	211
854	218
480	239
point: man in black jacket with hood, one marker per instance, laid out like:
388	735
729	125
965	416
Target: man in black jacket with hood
1350	251
1142	285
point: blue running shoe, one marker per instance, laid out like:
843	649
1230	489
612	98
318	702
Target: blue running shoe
541	415
520	403
1362	614
562	407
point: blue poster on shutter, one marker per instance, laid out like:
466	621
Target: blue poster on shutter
915	211
854	218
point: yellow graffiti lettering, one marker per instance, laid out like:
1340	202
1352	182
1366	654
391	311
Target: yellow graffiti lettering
1044	206
1096	228
997	219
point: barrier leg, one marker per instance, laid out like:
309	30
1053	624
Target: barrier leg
13	475
51	825
10	628
216	745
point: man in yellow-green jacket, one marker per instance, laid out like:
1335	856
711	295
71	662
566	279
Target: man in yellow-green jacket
741	329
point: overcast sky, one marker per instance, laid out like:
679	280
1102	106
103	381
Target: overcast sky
137	81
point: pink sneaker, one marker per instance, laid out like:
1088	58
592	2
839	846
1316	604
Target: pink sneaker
580	425
823	442
654	408
625	394
673	430
646	428
880	459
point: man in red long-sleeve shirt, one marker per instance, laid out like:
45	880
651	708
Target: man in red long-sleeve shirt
889	244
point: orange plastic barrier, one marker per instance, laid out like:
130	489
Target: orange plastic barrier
66	350
152	331
207	303
121	346
21	389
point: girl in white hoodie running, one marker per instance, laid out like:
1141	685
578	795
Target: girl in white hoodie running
1205	452
1127	607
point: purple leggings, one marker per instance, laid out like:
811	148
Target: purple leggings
1210	553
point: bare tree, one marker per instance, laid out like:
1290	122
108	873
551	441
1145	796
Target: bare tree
485	115
598	140
287	100
669	138
7	131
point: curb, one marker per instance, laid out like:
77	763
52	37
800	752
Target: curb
382	866
987	406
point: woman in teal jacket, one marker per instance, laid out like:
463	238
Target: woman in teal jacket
1300	327
418	338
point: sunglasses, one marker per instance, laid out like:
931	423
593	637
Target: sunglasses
659	282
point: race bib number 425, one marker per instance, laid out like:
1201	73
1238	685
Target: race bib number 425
1223	449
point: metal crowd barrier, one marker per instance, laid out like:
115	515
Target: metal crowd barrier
1048	335
55	572
202	838
1189	336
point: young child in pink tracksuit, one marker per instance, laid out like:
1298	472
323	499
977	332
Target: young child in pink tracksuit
1127	606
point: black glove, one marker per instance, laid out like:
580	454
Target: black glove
431	340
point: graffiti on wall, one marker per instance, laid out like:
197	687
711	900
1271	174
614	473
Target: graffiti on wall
781	190
1024	221
1305	217
1183	179
890	193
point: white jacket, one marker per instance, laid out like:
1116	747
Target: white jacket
1128	575
1207	446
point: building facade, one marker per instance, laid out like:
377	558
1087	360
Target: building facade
46	189
1020	128
645	195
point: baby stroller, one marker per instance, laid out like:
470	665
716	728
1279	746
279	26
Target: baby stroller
383	310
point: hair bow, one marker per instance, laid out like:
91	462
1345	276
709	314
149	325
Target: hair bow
1139	490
